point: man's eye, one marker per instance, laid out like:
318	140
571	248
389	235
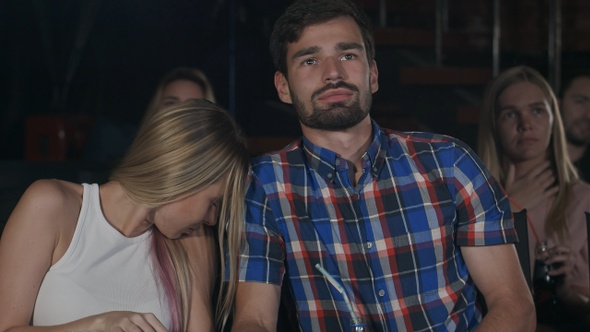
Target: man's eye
348	57
309	61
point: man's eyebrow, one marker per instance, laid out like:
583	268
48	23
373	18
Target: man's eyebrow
316	49
305	52
349	46
581	96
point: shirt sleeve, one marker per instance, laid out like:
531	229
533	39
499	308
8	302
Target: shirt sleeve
483	209
262	258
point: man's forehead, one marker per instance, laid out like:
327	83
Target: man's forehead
582	84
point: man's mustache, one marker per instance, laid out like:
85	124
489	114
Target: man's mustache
336	85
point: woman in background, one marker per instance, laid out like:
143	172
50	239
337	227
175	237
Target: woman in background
137	251
179	85
110	138
521	140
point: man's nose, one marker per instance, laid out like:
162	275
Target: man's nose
333	70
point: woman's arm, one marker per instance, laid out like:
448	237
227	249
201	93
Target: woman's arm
27	249
37	234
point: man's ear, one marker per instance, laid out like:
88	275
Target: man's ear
282	87
373	77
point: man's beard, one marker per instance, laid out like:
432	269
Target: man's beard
336	116
576	140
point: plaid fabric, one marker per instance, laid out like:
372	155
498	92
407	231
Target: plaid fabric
392	241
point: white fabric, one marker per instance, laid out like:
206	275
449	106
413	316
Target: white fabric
101	271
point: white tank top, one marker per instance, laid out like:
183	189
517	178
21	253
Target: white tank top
101	271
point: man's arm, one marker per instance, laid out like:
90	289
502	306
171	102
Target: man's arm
202	257
257	307
497	274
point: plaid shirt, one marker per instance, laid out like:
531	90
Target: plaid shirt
392	242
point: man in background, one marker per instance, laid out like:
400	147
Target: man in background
575	109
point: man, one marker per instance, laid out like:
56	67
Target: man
360	224
575	109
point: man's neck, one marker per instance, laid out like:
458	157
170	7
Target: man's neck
350	144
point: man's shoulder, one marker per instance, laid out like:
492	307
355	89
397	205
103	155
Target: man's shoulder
425	139
290	154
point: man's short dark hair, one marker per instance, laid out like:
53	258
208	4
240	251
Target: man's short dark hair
302	13
569	77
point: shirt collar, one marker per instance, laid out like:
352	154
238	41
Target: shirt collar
327	162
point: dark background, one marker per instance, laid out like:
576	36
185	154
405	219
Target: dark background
104	58
81	60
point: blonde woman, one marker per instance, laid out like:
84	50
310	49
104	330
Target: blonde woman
179	85
138	252
522	141
110	138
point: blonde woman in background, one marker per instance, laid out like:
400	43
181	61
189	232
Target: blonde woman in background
522	141
179	85
138	252
110	138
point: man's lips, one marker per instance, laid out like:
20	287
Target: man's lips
335	95
582	125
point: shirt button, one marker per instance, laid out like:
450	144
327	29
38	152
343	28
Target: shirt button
369	245
330	175
381	293
337	162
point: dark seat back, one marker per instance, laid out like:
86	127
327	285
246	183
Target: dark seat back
522	246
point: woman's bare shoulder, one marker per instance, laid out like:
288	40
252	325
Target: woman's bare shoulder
53	200
51	193
580	200
47	211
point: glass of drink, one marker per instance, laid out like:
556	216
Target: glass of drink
545	286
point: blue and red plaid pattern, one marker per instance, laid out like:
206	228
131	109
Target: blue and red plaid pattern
392	241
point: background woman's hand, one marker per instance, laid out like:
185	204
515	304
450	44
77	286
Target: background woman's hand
127	321
531	189
560	260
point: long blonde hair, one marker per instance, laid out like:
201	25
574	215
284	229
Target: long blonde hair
491	152
180	150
